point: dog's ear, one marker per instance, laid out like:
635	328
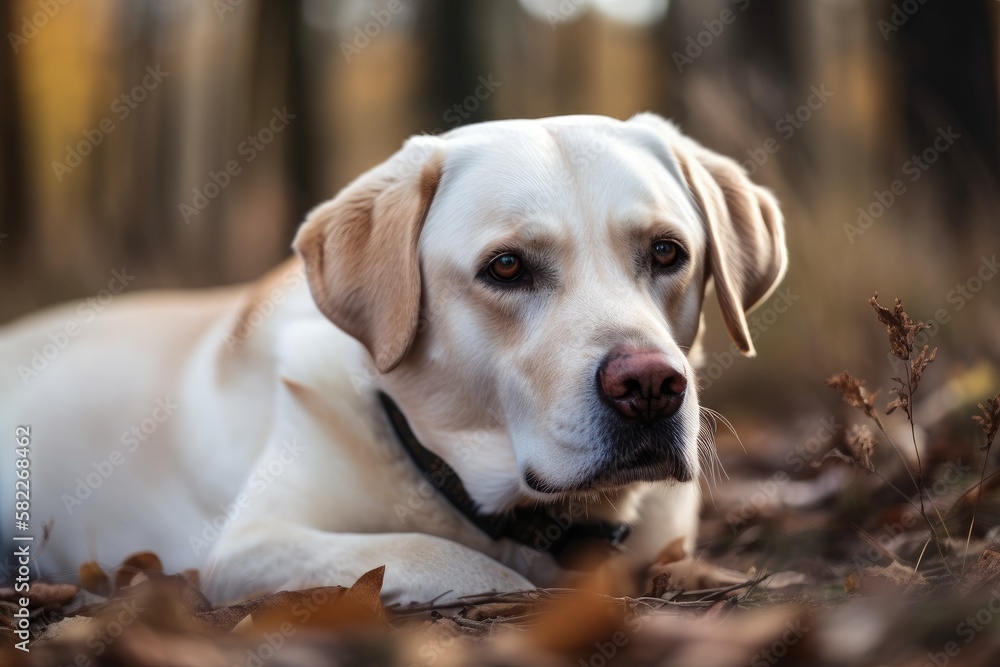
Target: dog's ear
360	251
746	236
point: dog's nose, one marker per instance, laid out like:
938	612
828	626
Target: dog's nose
641	383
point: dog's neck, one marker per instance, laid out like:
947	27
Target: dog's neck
563	532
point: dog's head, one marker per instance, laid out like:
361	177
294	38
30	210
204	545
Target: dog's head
530	291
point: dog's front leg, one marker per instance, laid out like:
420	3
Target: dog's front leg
669	511
271	556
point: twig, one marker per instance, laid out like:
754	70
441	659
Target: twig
975	509
913	434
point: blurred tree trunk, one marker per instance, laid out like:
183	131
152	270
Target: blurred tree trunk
449	32
935	93
14	185
281	37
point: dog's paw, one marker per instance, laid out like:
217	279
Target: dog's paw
431	569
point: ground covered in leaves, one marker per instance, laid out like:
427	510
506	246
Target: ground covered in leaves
867	536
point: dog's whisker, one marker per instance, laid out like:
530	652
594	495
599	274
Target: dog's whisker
720	417
711	463
706	440
608	499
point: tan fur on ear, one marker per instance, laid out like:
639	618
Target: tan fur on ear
360	251
746	235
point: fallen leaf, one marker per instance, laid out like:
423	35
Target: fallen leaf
94	579
984	573
327	608
672	553
144	561
41	594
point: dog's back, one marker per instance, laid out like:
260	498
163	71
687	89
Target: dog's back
105	390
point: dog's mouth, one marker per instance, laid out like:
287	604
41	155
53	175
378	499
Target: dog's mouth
615	475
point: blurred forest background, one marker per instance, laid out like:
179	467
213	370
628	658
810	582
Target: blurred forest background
118	121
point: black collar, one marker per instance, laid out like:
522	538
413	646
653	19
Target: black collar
560	535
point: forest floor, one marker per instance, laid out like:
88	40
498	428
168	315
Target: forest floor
847	542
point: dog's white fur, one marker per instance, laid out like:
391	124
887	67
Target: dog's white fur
277	469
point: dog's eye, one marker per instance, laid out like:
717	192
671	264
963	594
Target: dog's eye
506	268
666	253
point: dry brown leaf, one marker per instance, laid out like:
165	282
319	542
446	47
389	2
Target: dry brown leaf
367	591
889	580
852	583
984	574
853	392
901	329
570	624
672	553
989	421
920	363
567	624
180	589
41	594
94	579
500	610
329	608
144	561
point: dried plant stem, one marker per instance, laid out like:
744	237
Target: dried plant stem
913	431
930	524
947	533
916	485
920	559
916	450
970	490
975	509
899	454
902	459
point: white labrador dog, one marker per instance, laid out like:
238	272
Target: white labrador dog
479	364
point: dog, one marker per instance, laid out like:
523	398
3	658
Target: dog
477	366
